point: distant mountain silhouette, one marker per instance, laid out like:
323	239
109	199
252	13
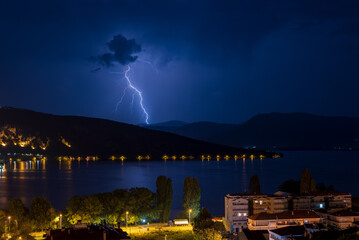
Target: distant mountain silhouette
29	131
278	131
168	124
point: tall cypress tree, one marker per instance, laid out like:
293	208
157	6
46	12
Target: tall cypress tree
254	186
164	197
191	196
168	202
307	184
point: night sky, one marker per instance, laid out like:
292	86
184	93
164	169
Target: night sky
222	61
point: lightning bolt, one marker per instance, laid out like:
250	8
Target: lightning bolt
119	102
136	91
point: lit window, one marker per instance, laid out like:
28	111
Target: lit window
256	201
239	214
321	205
260	202
244	214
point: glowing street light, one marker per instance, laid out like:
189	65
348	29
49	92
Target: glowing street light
9	217
60	221
126	219
189	216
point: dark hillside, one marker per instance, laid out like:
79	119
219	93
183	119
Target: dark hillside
278	131
24	130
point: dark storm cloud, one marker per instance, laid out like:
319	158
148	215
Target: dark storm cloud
121	51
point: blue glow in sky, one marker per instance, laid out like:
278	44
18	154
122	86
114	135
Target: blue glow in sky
221	61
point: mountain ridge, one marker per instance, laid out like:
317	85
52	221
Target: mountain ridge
272	131
30	131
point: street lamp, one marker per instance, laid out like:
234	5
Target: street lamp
126	219
9	217
189	216
60	221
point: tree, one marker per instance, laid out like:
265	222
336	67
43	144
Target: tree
290	186
23	232
41	212
203	221
16	210
254	186
164	197
92	208
306	181
142	203
322	187
205	228
139	202
191	196
313	186
75	210
112	207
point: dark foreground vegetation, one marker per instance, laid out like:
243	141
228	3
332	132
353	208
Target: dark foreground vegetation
117	208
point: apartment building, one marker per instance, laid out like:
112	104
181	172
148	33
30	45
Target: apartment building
340	219
330	200
267	221
239	206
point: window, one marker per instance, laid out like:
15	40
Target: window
244	214
321	205
239	214
260	202
256	201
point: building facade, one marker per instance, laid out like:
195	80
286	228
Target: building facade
267	221
340	219
239	206
236	211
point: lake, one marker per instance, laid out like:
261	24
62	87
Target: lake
58	181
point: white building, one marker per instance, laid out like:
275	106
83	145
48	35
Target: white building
236	211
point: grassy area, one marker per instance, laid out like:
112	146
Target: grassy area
169	235
145	229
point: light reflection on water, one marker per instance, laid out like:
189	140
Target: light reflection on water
60	180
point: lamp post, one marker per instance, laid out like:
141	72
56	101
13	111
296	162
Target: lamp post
9	217
189	216
60	221
126	219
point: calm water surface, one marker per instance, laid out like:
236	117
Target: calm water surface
60	181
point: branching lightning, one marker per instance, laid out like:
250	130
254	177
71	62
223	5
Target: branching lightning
149	63
136	91
123	95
